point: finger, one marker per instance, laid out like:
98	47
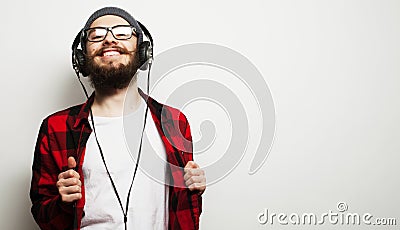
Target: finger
68	174
69	190
71	197
69	182
193	172
197	186
71	163
195	179
191	165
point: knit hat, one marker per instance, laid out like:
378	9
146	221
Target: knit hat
112	11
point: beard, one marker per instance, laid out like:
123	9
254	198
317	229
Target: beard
108	77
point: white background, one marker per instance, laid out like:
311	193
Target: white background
332	67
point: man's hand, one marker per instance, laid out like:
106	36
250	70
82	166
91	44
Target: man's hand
69	183
194	177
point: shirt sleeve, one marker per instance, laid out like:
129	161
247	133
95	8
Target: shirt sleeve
47	208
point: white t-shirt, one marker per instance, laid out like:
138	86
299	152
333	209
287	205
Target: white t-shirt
119	138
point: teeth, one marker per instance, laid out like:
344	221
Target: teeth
110	53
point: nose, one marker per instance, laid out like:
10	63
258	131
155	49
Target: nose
109	39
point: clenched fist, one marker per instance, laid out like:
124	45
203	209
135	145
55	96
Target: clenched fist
195	178
69	183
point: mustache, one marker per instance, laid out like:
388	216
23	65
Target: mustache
116	48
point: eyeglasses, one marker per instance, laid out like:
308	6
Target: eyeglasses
119	32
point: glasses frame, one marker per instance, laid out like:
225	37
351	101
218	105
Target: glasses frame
109	29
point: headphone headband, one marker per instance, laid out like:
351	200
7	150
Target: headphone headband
146	32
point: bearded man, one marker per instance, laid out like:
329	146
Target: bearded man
85	172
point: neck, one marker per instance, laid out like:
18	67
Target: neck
116	102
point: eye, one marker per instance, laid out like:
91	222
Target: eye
96	34
122	32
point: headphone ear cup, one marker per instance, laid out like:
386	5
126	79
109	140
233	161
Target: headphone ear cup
145	54
81	62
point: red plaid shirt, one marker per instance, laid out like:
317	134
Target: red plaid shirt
65	134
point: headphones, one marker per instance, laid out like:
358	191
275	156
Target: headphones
145	52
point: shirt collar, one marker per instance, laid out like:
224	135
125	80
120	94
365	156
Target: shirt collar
85	109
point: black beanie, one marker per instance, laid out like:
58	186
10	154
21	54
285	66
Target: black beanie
112	11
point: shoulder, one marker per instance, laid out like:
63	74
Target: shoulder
62	116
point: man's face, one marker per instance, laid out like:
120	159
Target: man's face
112	63
111	52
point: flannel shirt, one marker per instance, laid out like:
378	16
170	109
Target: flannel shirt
65	133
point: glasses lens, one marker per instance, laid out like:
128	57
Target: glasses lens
122	32
96	34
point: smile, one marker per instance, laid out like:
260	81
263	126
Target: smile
111	53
